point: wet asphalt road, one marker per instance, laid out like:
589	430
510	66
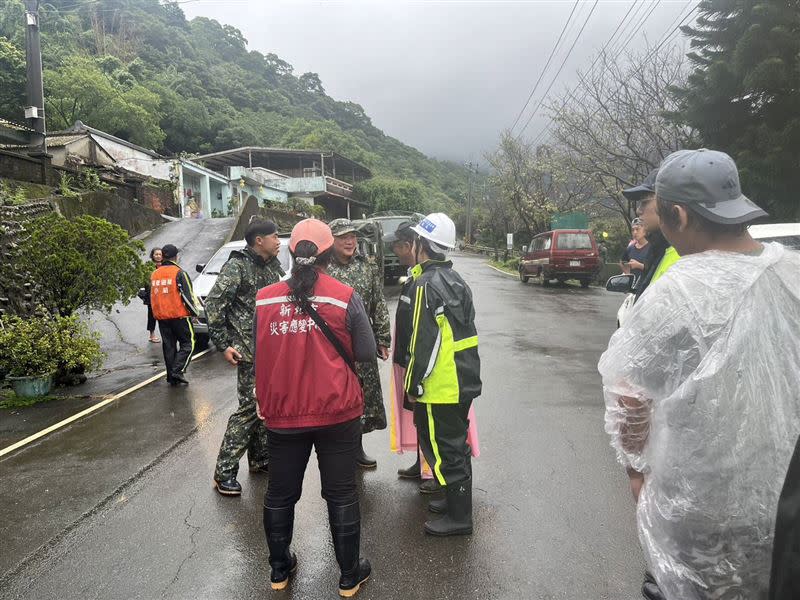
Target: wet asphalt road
130	358
120	505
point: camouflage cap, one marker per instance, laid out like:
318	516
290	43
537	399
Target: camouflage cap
341	227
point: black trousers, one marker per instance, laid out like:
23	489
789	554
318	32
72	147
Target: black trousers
785	578
151	320
442	433
177	339
337	448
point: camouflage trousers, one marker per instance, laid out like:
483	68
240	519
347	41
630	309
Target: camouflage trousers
245	432
374	411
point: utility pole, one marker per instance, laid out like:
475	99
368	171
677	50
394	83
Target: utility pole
469	202
34	111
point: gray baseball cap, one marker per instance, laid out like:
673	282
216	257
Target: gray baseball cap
644	189
706	181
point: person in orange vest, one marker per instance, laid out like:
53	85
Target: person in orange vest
173	303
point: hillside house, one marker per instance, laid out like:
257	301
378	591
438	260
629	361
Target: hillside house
322	178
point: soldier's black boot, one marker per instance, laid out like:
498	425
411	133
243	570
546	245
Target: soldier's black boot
412	472
458	518
364	461
346	532
278	527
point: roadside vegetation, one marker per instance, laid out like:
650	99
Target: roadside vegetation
143	72
734	91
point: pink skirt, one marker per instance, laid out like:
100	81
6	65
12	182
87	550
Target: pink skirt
403	433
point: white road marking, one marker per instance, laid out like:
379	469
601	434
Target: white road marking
88	411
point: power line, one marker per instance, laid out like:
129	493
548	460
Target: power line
636	15
669	34
541	75
637	27
561	68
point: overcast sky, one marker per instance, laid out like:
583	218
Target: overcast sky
443	76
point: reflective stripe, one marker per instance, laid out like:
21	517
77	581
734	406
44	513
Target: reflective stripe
285	299
405	299
469	342
189	359
437	470
276	300
434	354
415	329
328	300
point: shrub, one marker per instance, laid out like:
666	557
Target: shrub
11	196
44	344
78	348
65	184
26	348
83	263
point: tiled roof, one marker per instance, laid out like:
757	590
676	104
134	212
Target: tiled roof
58	141
16	126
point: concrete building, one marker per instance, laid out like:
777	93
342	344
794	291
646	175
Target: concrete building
323	178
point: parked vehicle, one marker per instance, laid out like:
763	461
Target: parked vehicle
389	221
561	254
787	234
208	277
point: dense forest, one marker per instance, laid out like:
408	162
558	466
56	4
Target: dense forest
140	70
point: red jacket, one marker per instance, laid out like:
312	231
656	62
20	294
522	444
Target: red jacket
301	381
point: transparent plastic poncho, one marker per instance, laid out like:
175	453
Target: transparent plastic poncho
702	390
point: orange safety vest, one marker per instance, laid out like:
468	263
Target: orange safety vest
165	297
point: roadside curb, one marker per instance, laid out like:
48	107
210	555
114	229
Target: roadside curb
95	407
507	274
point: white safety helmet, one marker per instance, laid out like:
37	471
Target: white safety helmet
439	230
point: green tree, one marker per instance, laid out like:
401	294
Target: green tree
391	194
84	263
744	94
12	80
81	90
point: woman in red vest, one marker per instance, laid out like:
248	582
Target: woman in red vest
309	332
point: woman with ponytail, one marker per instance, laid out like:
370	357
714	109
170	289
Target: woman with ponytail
310	331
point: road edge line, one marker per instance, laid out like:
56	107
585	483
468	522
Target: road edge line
95	407
500	271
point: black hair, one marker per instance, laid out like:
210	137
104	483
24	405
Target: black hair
669	216
258	227
426	245
153	252
304	277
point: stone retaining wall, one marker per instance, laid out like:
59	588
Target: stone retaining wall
16	290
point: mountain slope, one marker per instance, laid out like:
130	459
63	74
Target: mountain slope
138	69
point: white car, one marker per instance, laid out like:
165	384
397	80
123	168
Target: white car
208	277
787	234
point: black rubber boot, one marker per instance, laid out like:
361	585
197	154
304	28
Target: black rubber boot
346	532
438	507
458	518
650	589
364	461
278	527
412	472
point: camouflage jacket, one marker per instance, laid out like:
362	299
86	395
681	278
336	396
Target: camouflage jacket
366	279
231	303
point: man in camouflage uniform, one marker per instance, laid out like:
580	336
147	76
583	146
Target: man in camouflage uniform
352	269
230	307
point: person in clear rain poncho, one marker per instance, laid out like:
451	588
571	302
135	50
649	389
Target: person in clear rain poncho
702	388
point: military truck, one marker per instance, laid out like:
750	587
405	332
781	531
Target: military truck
389	221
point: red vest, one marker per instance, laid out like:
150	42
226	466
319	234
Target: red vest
301	381
165	297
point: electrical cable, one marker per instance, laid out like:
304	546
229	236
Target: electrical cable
561	68
544	70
